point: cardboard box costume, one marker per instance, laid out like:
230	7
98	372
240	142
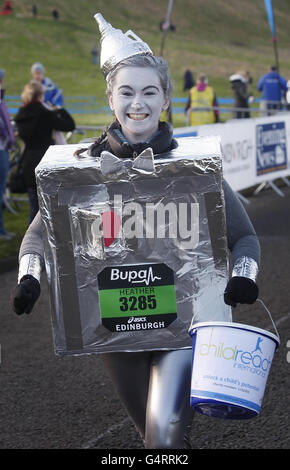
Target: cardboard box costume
133	254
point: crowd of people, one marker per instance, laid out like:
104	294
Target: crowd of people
42	118
7	9
274	88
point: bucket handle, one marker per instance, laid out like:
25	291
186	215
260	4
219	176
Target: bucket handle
267	310
275	328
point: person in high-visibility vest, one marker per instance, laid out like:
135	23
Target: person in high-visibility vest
202	96
166	115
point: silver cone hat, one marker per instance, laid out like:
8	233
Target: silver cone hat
117	46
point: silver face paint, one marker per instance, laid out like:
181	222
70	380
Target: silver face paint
137	101
30	264
246	267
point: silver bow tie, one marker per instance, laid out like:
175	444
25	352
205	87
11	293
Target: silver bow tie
114	166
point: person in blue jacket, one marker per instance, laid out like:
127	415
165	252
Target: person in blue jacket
53	94
273	87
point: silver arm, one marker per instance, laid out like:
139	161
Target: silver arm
246	267
30	264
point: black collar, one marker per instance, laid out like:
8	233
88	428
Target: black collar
160	142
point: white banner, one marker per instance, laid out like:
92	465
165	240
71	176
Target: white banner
254	150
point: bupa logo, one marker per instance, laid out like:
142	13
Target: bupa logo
142	276
242	358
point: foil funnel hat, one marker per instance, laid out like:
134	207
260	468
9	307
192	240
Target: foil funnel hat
117	46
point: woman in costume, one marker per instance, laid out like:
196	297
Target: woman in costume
154	386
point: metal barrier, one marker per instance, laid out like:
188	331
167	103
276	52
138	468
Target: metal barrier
261	112
73	137
90	105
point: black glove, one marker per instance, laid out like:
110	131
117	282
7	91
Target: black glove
25	294
241	290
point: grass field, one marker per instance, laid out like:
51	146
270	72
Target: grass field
217	37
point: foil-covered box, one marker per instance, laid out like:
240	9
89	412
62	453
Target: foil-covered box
133	252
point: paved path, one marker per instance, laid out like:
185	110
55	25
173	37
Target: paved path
52	402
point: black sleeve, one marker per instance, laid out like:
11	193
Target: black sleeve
187	104
62	120
216	111
242	92
241	235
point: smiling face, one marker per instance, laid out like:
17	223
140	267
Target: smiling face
137	100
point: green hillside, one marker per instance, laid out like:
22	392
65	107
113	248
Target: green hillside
217	37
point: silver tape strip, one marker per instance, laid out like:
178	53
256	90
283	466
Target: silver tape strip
30	264
246	267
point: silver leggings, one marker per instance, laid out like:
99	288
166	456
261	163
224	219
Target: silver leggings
154	388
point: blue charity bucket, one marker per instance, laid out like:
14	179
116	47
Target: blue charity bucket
230	368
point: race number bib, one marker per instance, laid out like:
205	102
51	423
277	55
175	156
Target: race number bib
137	297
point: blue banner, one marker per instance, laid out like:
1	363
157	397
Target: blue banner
271	147
270	14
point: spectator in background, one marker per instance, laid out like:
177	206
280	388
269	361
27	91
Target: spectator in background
202	96
166	115
7	8
55	14
34	10
95	55
35	124
239	82
52	94
288	96
273	87
6	143
188	80
188	83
